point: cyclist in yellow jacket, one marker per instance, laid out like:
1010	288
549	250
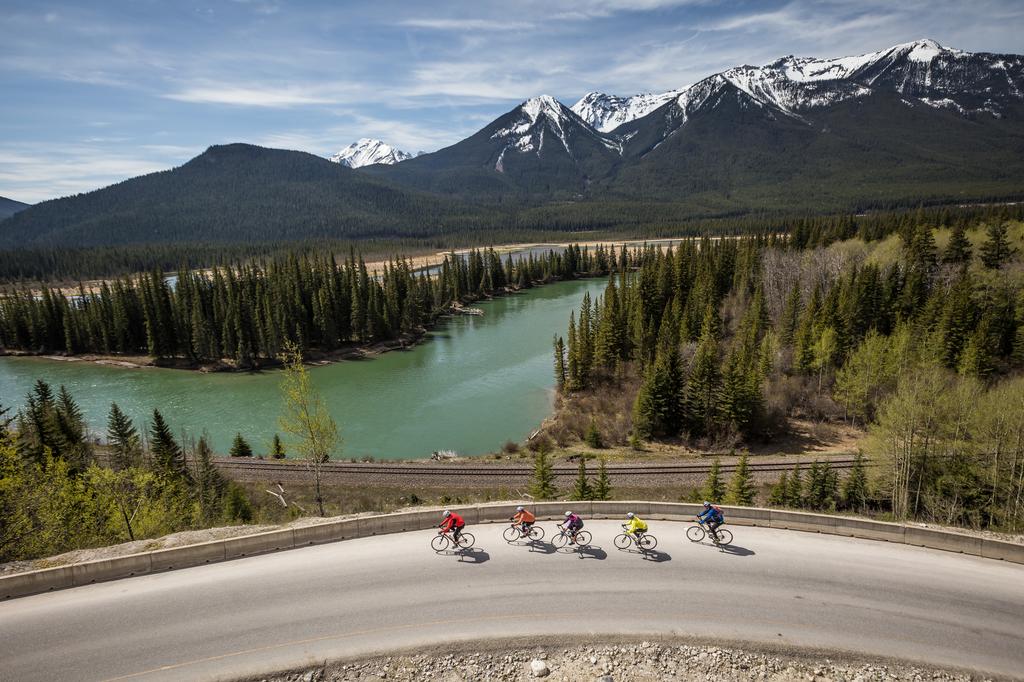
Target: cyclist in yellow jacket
635	526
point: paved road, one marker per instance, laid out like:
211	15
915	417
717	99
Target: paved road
351	598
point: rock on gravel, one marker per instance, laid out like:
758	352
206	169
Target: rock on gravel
623	662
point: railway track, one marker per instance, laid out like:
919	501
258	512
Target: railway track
270	467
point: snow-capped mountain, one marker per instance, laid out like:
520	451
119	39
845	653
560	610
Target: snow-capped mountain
608	112
885	119
922	71
367	152
544	120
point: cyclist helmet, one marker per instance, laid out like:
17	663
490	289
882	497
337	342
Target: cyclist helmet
446	513
629	515
706	504
519	509
568	513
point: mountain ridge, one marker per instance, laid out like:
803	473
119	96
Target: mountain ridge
9	207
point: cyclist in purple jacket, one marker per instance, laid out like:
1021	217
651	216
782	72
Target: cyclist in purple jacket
574	524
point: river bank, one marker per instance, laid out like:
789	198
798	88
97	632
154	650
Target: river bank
311	357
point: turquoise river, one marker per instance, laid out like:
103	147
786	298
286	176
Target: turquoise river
477	382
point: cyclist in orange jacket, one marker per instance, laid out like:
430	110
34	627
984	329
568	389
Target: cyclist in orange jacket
525	519
454	523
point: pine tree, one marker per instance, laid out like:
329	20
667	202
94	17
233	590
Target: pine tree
581	489
71	434
713	489
168	456
560	368
209	483
855	486
958	251
658	409
741	489
603	486
593	436
236	505
277	448
123	438
777	496
240	447
5	422
822	486
702	388
542	487
795	488
996	250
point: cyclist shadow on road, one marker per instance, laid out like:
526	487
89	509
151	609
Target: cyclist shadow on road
652	555
656	556
588	552
541	547
473	555
734	550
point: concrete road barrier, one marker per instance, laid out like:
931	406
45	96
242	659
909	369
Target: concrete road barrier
325	532
260	543
748	516
189	555
815	523
869	530
938	539
112	569
1007	551
617	510
33	582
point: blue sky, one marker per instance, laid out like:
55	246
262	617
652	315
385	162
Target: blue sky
96	92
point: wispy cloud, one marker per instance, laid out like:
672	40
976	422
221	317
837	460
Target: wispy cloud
467	24
34	173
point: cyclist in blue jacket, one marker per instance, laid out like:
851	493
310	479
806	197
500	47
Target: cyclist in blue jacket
713	517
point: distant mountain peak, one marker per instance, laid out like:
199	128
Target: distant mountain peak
367	152
607	112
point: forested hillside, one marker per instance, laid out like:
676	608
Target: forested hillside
234	194
915	331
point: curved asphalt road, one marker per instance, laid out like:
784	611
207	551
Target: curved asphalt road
351	598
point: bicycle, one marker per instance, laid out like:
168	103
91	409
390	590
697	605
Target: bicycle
645	542
444	541
515	532
582	538
720	536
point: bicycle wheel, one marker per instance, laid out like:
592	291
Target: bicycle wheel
439	543
622	541
695	533
583	538
537	533
466	540
724	537
511	534
648	542
560	540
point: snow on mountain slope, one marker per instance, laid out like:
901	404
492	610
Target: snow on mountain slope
367	152
608	112
540	118
934	75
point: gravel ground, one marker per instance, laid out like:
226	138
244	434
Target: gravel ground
623	662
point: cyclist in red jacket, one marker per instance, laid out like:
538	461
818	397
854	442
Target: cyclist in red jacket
454	523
